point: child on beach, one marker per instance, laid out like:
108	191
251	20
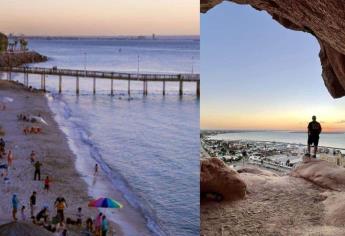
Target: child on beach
47	182
7	183
22	212
15	203
33	157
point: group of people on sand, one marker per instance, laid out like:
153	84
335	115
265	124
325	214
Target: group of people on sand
58	222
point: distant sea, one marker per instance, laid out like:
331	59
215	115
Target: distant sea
147	145
336	140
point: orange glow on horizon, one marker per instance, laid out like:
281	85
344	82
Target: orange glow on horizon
103	17
238	121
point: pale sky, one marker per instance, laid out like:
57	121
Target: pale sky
256	74
101	17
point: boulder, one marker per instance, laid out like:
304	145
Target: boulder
321	173
218	178
323	19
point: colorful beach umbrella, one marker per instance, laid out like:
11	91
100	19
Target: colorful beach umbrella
105	203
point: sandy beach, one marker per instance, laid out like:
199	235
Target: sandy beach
77	185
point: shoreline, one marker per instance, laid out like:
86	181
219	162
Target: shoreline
58	160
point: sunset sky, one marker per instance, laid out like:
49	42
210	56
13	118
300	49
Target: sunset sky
256	74
101	17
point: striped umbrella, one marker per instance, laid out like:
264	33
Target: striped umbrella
104	203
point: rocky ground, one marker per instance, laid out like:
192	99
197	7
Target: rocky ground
20	58
308	201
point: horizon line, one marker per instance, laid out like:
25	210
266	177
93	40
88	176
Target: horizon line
104	35
265	130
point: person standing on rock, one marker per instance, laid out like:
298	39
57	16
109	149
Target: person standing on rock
314	130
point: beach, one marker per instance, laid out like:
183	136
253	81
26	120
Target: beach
58	161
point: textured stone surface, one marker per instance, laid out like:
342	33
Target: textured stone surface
216	177
323	19
321	173
20	58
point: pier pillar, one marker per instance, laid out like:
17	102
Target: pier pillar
146	87
27	80
94	85
163	87
44	82
10	75
198	89
181	88
112	87
77	85
129	87
60	83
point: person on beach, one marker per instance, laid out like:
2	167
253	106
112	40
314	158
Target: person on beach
79	216
22	213
47	182
7	183
10	158
37	166
98	222
96	170
89	225
314	130
33	204
2	145
43	214
15	203
32	157
60	205
105	226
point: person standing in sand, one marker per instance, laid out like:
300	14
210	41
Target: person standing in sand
37	166
314	130
33	204
96	170
105	226
10	158
15	203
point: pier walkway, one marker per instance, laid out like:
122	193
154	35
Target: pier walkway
144	77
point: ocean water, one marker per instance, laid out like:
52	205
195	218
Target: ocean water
148	146
336	140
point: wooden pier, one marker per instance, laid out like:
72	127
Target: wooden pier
144	77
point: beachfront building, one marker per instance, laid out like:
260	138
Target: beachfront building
3	42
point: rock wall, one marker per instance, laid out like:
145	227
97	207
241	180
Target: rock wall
20	58
217	177
323	19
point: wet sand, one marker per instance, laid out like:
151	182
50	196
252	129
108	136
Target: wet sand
75	183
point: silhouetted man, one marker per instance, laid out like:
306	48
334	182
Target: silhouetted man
314	130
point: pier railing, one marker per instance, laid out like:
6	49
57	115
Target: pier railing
144	77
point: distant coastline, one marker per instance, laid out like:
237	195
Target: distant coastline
120	37
221	131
